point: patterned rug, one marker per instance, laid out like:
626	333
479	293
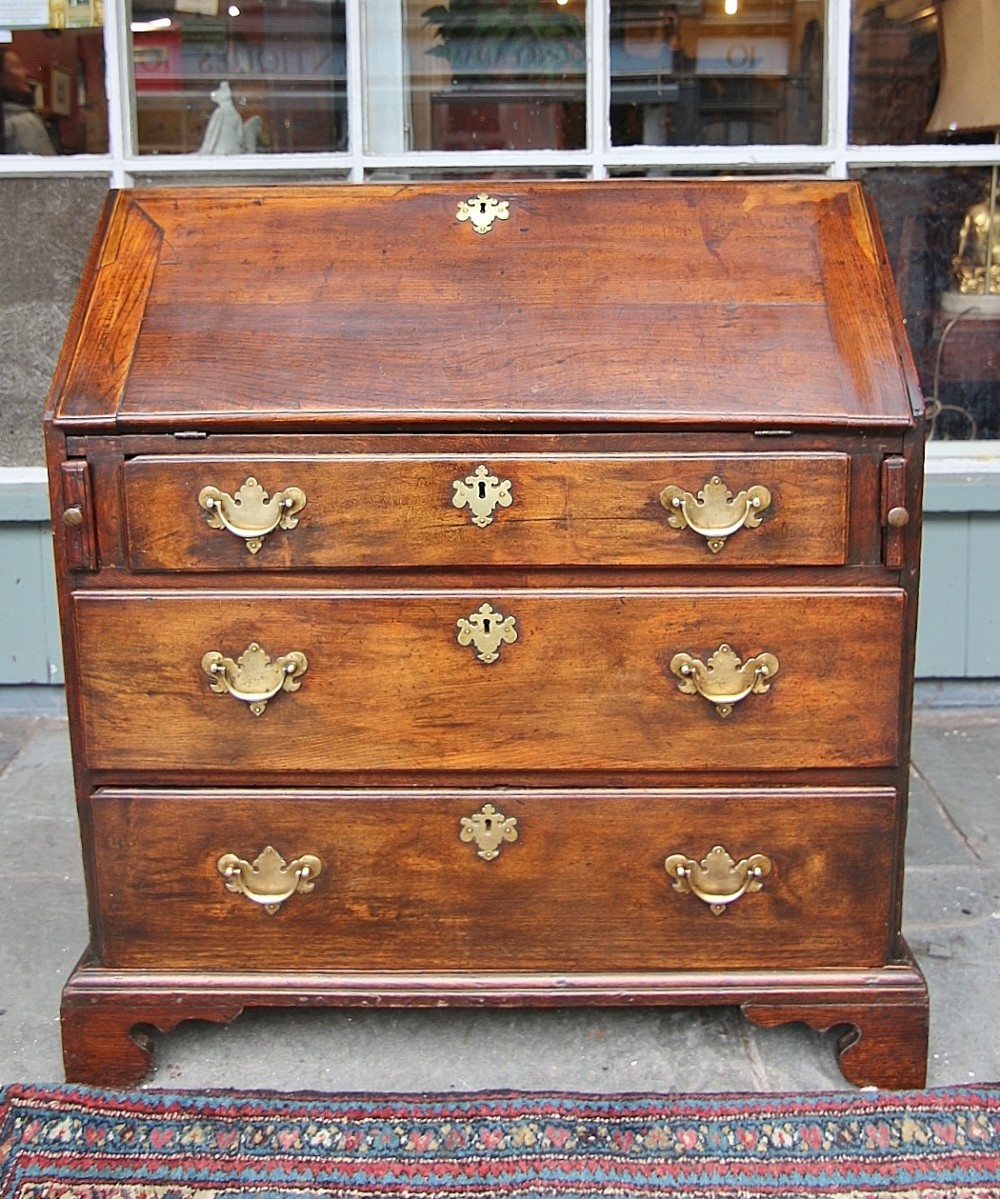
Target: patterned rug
77	1143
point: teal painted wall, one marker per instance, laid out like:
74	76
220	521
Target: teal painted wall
29	619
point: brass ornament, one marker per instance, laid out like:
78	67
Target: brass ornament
715	513
483	210
481	492
250	513
489	829
724	680
487	630
717	880
254	677
269	880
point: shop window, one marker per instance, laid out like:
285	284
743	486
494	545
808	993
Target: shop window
245	77
496	76
716	72
924	217
53	92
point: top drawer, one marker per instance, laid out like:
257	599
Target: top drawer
400	510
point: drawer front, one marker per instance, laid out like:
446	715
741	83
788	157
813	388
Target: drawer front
565	680
392	885
260	514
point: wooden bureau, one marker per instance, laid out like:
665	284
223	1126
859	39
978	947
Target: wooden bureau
490	595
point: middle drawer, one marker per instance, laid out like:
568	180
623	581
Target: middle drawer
644	680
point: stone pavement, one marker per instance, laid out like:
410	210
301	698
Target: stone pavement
952	922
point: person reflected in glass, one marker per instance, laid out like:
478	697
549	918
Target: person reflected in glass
24	131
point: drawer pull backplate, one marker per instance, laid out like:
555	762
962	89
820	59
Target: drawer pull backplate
481	492
250	513
486	629
489	829
717	880
724	680
254	677
715	512
269	880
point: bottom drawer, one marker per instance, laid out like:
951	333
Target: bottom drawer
591	881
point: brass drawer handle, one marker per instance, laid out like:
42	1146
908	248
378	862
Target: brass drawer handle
717	880
481	493
249	513
724	680
489	829
715	513
269	880
486	629
254	677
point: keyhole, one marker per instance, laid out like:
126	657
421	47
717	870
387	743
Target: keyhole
482	206
488	824
482	490
486	626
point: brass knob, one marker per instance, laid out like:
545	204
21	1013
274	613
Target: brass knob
73	516
897	518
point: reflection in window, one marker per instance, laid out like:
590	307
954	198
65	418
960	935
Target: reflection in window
507	75
53	92
956	349
250	76
716	72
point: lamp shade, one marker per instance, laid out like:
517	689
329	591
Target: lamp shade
969	95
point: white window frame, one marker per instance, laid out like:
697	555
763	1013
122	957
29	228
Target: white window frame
834	157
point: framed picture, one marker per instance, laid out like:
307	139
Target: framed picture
60	92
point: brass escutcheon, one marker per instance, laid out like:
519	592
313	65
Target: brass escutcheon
254	677
724	680
715	513
486	629
269	880
481	492
717	880
249	513
489	829
483	210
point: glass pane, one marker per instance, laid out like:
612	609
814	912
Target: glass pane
483	75
716	72
53	92
894	71
929	221
251	76
898	95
